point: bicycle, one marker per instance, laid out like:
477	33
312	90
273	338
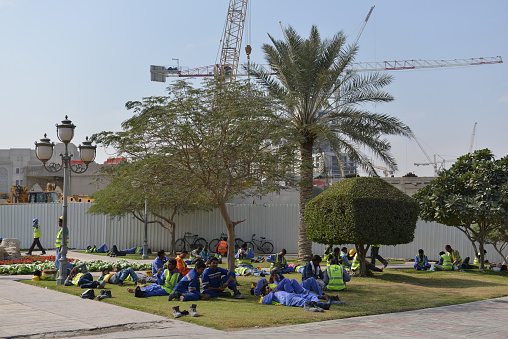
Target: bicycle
214	242
261	244
189	241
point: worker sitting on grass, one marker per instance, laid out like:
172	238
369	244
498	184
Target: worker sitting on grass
166	282
80	276
216	279
279	262
181	264
188	288
195	255
313	270
336	276
421	261
444	263
118	277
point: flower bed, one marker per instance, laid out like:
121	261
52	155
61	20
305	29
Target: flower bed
29	264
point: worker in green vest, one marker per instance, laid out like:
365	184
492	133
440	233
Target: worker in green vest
445	263
58	245
37	235
336	276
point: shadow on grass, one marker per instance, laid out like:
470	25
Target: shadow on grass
436	279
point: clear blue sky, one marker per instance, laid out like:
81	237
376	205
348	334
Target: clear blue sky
88	58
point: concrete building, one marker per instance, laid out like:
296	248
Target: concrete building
20	166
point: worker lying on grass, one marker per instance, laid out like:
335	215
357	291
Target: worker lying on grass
308	301
118	277
46	274
188	288
292	286
166	282
80	276
216	279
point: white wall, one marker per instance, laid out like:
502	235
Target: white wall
278	223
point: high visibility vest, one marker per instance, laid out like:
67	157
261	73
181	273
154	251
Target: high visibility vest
170	281
205	254
447	262
222	247
297	268
37	231
46	276
108	276
455	256
138	249
356	263
59	238
193	255
278	262
421	261
242	260
377	245
477	259
75	280
335	277
241	270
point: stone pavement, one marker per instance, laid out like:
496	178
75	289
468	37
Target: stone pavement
31	312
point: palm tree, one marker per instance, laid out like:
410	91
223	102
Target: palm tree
323	100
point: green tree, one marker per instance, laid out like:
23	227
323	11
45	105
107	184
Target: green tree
473	191
324	100
497	237
130	183
362	211
222	142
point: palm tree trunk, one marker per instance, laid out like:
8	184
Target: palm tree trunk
306	174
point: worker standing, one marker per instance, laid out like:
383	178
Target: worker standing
37	235
58	244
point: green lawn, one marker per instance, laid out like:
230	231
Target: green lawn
151	257
390	291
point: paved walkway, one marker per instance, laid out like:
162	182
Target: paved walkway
31	312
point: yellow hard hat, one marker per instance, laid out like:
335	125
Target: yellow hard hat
352	252
61	218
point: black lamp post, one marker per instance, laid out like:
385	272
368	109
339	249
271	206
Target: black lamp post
44	151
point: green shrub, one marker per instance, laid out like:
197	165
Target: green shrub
361	211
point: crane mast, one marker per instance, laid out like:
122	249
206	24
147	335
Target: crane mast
472	138
232	40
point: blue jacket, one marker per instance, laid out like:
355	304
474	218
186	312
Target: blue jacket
156	264
212	278
309	272
189	283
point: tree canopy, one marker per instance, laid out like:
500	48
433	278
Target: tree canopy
473	191
325	100
362	211
220	141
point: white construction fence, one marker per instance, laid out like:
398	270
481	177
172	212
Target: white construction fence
278	223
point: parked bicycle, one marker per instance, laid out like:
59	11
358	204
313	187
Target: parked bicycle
214	242
189	242
223	236
260	244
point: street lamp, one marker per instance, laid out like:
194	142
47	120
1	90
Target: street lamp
136	184
44	151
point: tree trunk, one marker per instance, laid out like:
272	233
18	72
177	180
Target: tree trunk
172	228
362	255
500	251
230	226
306	175
481	240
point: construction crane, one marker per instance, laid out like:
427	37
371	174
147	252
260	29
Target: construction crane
161	73
472	138
230	50
434	163
364	24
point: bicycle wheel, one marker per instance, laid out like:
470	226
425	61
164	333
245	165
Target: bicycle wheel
238	244
199	242
212	246
179	245
251	245
267	247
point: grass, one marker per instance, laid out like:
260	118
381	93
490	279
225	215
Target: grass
390	291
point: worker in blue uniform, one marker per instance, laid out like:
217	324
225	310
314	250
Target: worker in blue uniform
166	282
159	262
278	261
188	289
216	279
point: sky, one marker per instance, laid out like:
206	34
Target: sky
86	59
